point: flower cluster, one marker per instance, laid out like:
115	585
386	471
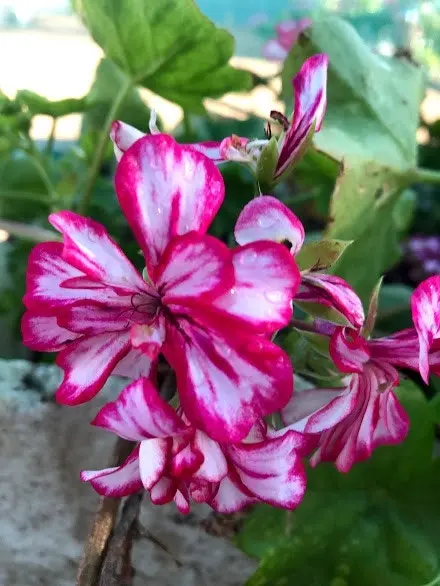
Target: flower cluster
210	314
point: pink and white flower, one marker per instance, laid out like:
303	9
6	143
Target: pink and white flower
287	34
266	218
425	305
174	460
310	93
124	136
209	310
352	421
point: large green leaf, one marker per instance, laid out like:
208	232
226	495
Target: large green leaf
375	525
373	101
167	46
56	108
361	210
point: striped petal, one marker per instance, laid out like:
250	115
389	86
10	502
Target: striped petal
425	306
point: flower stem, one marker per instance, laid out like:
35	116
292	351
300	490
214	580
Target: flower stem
420	175
102	527
100	147
50	141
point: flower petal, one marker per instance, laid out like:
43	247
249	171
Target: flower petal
309	87
288	31
46	278
267	218
134	365
181	500
214	466
333	292
400	349
272	470
425	307
87	364
148	338
89	248
349	352
153	459
315	410
139	413
116	482
166	190
227	380
232	495
163	491
42	333
186	462
194	267
123	136
92	318
266	281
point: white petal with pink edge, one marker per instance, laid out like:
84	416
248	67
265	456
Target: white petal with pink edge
335	293
349	351
227	381
214	466
310	91
266	281
139	413
89	248
196	267
231	496
267	218
425	307
148	338
116	482
42	333
166	190
153	459
87	364
47	277
123	136
315	410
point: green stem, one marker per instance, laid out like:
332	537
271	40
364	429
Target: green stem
35	158
100	147
50	141
187	125
420	175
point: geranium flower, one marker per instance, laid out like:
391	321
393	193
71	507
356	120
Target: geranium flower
209	310
174	460
425	305
287	34
267	218
310	100
352	421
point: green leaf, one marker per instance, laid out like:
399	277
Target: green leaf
40	105
404	210
369	96
378	524
370	320
167	46
361	210
320	255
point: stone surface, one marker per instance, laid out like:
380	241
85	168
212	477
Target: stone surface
46	511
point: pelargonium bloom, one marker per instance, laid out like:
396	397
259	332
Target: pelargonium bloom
310	94
209	310
352	421
267	218
287	34
124	135
174	460
425	305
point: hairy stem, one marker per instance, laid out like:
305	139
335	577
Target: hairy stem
100	147
420	175
103	524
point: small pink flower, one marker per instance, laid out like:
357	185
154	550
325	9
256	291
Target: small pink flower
209	310
310	93
287	33
176	461
266	218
